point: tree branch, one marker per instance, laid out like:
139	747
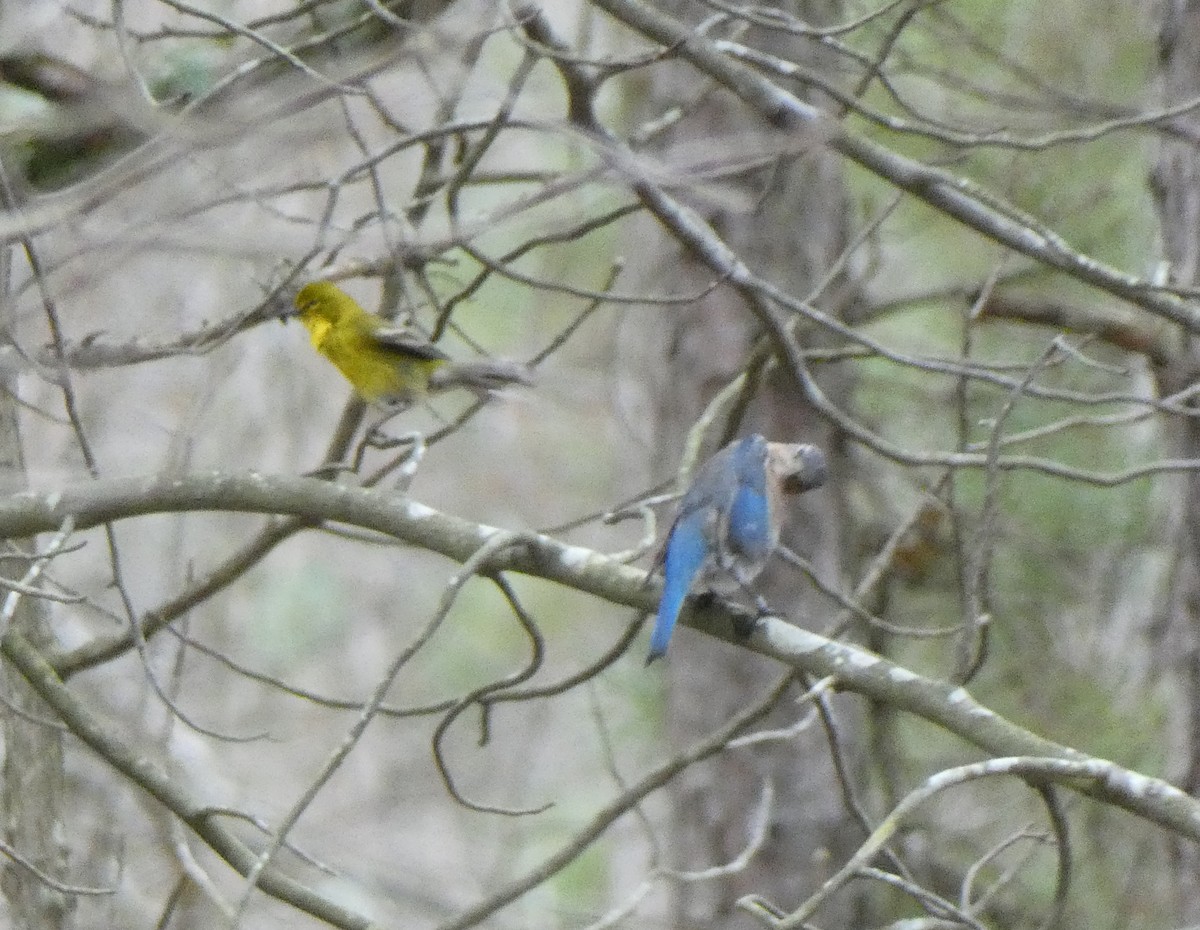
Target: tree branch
951	194
203	819
592	572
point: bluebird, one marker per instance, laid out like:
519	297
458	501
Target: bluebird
728	522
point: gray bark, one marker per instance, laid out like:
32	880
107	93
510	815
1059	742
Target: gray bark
789	223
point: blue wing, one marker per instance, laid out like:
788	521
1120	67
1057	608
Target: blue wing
749	528
749	535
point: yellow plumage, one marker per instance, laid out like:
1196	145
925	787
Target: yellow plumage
385	364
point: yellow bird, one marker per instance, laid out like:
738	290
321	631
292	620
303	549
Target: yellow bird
387	365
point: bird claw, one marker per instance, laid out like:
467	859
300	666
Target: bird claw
376	438
745	625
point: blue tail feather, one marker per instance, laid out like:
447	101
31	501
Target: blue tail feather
686	551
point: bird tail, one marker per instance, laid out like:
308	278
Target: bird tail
664	624
686	552
483	376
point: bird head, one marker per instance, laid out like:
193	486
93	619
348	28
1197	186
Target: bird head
800	466
319	301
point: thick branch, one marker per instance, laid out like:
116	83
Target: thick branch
1153	340
952	707
854	669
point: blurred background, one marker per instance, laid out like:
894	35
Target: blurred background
1013	449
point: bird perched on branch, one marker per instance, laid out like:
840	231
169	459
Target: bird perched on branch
728	522
386	364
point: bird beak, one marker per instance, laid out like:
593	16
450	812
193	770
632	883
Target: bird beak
286	311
